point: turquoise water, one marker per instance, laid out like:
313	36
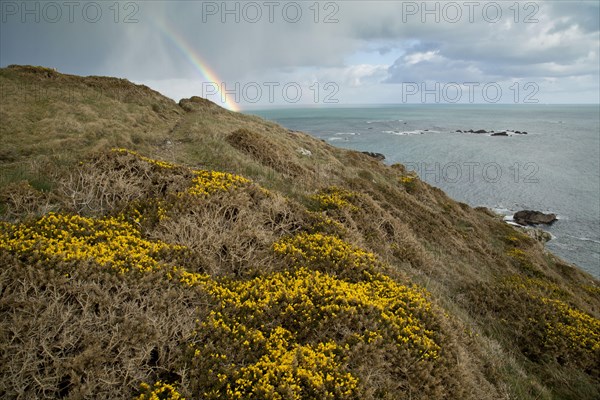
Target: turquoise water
554	168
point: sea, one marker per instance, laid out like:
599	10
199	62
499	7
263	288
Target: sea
553	168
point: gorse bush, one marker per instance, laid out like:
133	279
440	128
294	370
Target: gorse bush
335	198
328	253
159	391
115	180
110	242
209	182
409	182
544	322
290	335
572	329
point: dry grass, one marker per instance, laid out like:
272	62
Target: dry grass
264	151
89	333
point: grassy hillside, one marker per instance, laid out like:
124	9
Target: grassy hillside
150	248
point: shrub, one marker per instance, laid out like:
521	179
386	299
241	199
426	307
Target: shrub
334	198
109	242
409	182
20	201
328	254
544	323
160	391
206	183
283	334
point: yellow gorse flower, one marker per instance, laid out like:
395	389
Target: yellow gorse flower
160	391
111	242
565	323
268	361
335	198
158	163
581	330
206	183
327	253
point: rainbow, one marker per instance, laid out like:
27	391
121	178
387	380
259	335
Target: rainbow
192	56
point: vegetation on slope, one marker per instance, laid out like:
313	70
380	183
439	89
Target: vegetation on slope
159	250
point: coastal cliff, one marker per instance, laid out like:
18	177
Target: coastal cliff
149	247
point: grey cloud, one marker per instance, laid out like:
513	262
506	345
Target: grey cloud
551	48
585	14
563	43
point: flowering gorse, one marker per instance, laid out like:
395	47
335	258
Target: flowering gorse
158	163
110	242
409	182
334	198
160	391
291	334
271	337
206	183
566	332
581	331
203	183
327	253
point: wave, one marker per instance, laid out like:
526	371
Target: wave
382	121
588	240
405	133
348	133
584	239
503	211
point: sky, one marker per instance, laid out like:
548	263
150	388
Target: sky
262	54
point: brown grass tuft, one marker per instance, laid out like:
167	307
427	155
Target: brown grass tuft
266	152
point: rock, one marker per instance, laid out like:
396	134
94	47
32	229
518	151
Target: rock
529	217
539	234
377	156
304	152
506	132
